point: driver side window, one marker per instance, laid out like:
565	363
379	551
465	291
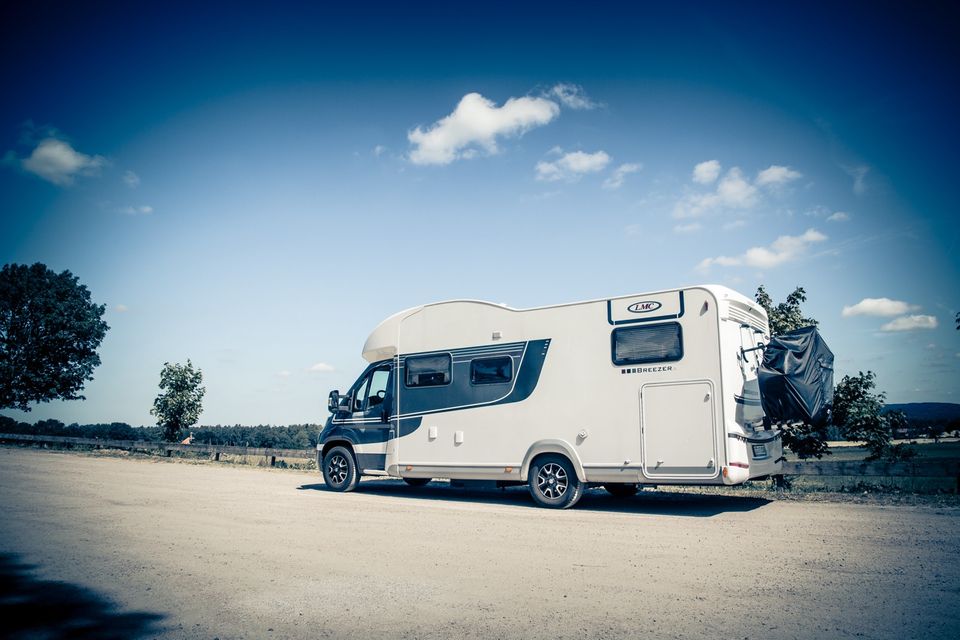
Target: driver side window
371	392
360	396
378	388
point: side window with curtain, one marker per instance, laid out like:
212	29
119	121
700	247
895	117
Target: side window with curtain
427	371
650	343
495	370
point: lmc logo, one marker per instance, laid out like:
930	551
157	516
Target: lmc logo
644	307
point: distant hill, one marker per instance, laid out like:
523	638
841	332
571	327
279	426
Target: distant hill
928	411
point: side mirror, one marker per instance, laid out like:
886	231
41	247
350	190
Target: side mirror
333	402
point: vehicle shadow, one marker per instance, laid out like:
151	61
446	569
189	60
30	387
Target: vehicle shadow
650	502
31	607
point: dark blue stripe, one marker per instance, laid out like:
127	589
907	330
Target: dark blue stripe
460	393
451	397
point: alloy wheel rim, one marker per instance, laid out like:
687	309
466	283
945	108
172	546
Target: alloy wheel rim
552	481
337	469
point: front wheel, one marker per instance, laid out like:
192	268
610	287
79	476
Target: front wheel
340	471
554	483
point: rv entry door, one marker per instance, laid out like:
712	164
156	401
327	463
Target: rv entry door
677	429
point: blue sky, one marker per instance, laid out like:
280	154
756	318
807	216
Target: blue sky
256	189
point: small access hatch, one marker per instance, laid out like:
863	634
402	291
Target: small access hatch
678	430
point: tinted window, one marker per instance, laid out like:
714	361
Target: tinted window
653	343
360	395
427	371
378	388
491	370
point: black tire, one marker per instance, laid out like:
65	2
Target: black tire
553	482
417	482
340	471
622	489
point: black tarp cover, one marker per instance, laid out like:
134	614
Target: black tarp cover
796	378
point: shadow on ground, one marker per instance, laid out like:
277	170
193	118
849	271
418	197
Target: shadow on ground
646	502
34	608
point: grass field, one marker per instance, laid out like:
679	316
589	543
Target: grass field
949	449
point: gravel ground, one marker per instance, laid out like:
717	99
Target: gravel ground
148	548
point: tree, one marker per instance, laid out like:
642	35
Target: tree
858	412
787	315
180	401
49	334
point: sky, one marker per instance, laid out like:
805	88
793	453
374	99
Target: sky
255	189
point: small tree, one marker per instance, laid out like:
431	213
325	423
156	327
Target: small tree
858	412
787	315
49	335
180	401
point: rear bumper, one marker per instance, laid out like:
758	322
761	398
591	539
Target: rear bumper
753	456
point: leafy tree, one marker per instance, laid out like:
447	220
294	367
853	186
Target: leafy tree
180	401
803	439
858	411
787	315
49	335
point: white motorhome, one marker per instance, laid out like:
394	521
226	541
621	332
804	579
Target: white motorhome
657	388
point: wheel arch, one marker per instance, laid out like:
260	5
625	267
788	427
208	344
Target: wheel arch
336	442
559	447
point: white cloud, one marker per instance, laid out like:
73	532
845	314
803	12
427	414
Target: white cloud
571	96
688	228
732	192
321	367
734	224
121	308
284	374
572	166
776	175
57	162
633	229
131	179
707	172
615	181
859	175
783	249
839	216
909	323
478	122
379	150
142	210
878	307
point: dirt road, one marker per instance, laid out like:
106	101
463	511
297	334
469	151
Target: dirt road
213	551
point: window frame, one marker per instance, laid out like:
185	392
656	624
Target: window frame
406	363
632	361
484	384
369	376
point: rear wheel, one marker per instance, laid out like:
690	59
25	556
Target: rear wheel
340	471
622	489
416	482
554	483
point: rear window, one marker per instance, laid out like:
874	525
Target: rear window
491	370
427	371
651	343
